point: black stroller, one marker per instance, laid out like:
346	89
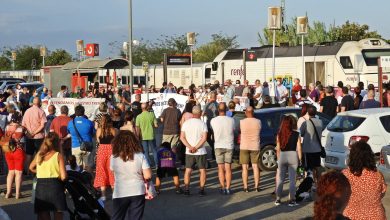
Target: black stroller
82	198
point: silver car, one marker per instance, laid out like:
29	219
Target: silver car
384	163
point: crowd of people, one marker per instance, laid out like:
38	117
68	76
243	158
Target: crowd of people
121	147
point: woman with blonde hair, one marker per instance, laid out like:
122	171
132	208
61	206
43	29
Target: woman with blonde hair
131	169
104	135
49	166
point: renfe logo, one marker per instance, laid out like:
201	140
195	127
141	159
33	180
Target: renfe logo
237	72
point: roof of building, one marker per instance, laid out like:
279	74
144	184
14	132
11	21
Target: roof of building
96	63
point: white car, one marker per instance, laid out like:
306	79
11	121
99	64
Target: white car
371	125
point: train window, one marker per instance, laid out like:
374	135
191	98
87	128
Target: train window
346	62
101	79
124	80
371	55
207	73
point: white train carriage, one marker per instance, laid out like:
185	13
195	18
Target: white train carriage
350	62
178	75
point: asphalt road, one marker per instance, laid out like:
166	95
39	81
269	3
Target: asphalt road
168	205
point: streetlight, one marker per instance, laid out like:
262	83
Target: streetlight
302	23
191	43
80	48
274	23
130	49
13	56
42	51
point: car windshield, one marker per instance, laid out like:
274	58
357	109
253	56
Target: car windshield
345	123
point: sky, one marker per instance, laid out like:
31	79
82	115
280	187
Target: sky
58	24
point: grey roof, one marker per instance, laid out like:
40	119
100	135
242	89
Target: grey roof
295	51
94	63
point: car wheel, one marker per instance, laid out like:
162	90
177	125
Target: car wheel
268	158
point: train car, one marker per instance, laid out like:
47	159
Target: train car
178	75
350	62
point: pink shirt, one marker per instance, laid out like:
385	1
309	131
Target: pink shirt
250	134
34	118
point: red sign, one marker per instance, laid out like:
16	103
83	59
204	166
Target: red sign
92	50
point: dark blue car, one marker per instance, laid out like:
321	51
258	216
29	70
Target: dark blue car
270	121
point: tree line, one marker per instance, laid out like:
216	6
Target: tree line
152	51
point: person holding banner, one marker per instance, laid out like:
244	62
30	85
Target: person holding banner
170	117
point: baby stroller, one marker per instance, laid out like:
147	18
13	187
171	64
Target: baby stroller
83	202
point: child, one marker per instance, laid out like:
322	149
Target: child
72	165
167	167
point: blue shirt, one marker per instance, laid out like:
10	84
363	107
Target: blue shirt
86	129
43	95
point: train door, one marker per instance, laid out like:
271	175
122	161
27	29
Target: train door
315	72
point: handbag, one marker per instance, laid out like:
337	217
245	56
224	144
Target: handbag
323	152
6	142
84	145
150	190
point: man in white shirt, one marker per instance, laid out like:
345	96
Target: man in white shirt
193	135
281	93
258	93
223	127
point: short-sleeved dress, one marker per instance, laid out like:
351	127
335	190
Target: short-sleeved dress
366	197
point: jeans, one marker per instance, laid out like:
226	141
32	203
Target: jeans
288	161
150	145
131	207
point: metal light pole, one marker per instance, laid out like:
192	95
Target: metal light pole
302	30
191	43
13	56
42	51
274	23
130	47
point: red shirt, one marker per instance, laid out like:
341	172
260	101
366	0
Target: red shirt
295	89
60	125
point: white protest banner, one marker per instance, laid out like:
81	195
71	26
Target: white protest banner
90	105
161	101
244	101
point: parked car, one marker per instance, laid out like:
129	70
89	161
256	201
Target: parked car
30	86
371	125
4	82
384	163
270	121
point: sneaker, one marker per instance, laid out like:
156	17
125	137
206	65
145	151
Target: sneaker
158	191
228	192
292	203
221	191
277	202
179	191
202	193
259	189
246	190
187	192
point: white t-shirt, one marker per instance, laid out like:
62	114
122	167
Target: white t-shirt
129	180
223	128
281	91
259	90
194	129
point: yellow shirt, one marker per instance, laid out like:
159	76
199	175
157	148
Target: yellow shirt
49	168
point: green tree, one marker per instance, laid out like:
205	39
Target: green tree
5	63
58	57
353	31
207	52
318	33
25	56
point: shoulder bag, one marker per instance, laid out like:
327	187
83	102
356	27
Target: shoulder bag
323	152
84	145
